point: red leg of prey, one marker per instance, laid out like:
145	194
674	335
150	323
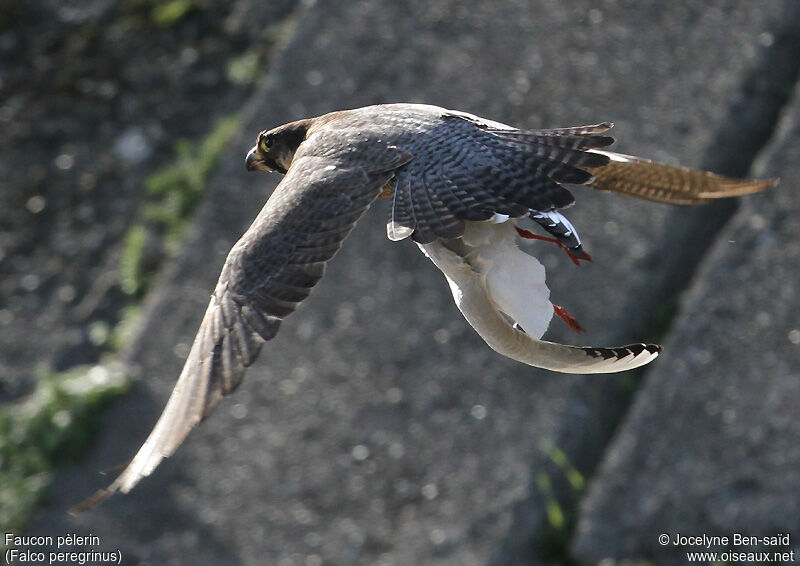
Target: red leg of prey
573	324
574	257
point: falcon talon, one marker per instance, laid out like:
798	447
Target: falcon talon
462	188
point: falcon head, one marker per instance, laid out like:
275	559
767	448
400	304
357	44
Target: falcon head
274	149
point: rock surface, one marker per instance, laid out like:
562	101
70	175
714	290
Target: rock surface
712	442
377	428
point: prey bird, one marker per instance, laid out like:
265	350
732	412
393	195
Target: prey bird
464	188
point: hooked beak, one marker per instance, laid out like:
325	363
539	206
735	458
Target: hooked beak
254	162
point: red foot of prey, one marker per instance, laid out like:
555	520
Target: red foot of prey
574	257
573	324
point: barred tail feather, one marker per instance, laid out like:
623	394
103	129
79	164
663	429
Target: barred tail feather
645	179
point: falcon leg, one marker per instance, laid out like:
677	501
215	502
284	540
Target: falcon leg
574	255
387	190
573	324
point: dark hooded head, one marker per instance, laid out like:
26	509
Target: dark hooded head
274	149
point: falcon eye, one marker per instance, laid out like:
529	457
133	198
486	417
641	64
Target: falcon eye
265	143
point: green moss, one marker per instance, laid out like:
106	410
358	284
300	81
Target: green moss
174	193
131	276
54	425
555	515
180	185
553	542
57	422
559	458
165	14
246	68
143	13
121	334
99	333
560	505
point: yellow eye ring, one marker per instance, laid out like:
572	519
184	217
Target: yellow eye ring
265	143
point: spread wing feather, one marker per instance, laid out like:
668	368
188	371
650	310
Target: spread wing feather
466	170
476	169
269	271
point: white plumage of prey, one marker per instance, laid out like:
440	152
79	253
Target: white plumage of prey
501	291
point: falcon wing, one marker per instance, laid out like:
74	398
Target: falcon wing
464	169
468	169
645	179
269	271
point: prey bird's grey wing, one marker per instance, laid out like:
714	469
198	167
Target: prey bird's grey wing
269	271
645	179
466	170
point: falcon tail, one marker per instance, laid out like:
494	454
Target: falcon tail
645	179
489	277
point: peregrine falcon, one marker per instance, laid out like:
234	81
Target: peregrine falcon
464	188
